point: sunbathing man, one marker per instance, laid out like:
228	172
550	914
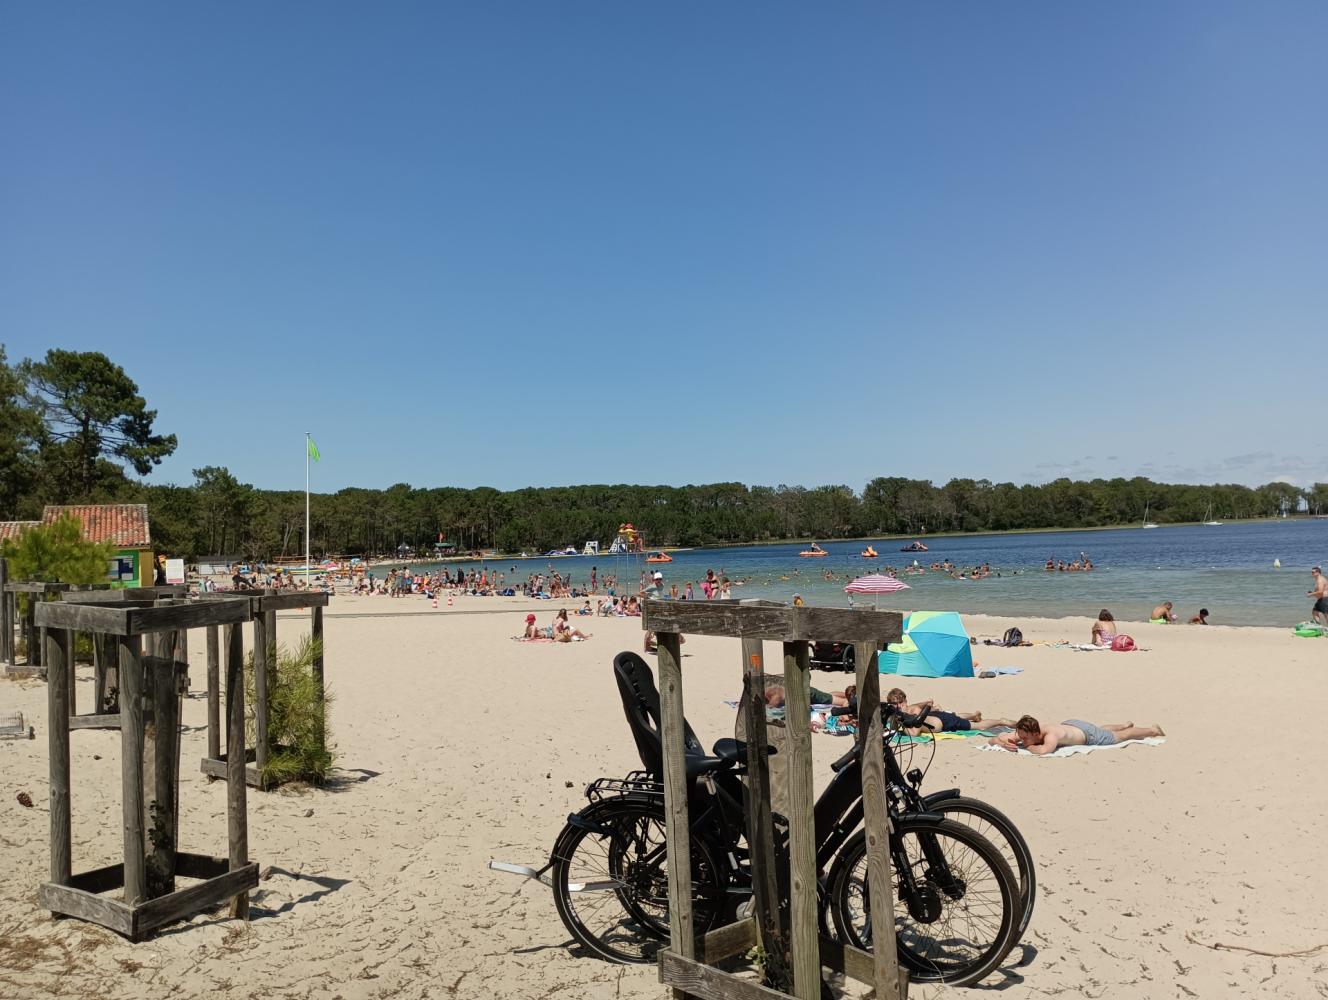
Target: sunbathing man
937	719
775	698
1029	734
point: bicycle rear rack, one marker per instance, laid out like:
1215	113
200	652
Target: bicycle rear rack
636	783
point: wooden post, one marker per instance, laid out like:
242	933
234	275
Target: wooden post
889	984
6	621
262	643
802	837
161	736
213	693
36	637
131	765
106	651
57	724
760	835
237	821
316	634
677	835
71	671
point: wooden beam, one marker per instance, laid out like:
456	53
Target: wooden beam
693	978
723	942
59	664
885	977
147	596
856	964
676	832
35	587
237	818
194	614
99	879
188	865
161	734
263	644
213	693
760	827
194	899
6	622
784	624
95	721
316	635
84	617
131	768
109	913
802	837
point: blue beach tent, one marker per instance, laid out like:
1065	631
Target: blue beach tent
934	645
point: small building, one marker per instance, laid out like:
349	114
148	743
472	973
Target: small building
125	526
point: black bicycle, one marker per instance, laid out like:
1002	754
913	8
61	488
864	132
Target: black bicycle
958	906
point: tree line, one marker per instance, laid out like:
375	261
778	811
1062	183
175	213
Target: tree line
73	427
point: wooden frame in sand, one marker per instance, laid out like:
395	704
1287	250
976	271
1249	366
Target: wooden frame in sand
149	725
795	954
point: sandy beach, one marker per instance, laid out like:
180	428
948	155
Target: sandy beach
458	746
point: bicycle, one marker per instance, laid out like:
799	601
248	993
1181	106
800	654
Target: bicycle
610	863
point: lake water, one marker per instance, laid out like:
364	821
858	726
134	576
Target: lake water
1227	569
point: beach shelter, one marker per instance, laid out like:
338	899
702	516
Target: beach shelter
934	645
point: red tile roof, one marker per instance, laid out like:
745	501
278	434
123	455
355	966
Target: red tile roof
12	529
125	524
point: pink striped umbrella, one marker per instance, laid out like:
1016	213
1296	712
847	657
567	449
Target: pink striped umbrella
875	583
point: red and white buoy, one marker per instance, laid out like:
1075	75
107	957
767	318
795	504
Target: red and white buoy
435	604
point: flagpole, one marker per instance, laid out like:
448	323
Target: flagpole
307	439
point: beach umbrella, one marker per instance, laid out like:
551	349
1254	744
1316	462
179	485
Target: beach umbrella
876	584
934	644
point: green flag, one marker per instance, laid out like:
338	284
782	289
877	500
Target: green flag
313	448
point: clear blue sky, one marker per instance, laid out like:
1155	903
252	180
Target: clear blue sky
561	242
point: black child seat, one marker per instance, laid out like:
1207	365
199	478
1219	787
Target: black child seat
640	698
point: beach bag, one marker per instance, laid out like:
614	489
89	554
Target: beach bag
1122	644
1013	637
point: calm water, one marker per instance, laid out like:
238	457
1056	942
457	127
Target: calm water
1228	569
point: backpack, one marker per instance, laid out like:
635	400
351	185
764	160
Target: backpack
1013	637
1122	644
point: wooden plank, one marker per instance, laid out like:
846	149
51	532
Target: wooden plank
188	865
676	832
83	617
59	666
264	643
290	602
803	929
316	635
109	913
697	979
194	614
731	939
93	721
876	819
213	693
6	622
785	624
99	879
237	818
71	674
160	736
131	767
856	963
216	767
194	899
35	587
760	827
147	596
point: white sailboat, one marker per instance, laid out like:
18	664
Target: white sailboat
1147	523
1209	519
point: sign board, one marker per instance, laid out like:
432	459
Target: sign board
123	569
175	571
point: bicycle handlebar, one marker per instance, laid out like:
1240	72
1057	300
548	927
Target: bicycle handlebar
901	721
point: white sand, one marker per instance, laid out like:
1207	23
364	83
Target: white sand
458	745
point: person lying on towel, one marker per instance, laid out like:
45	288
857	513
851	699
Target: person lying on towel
938	720
1029	735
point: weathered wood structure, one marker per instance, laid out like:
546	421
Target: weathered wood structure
797	951
19	625
264	604
152	679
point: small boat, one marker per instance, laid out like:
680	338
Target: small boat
659	557
1210	523
815	550
913	547
1147	523
869	553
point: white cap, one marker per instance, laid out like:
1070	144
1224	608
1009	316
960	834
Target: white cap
659	575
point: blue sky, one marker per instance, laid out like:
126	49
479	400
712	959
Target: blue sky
539	243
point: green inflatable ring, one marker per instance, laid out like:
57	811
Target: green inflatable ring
1157	621
1309	633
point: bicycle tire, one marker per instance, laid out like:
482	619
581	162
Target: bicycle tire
610	880
1005	836
988	902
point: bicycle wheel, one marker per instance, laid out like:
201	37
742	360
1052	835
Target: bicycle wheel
610	880
956	902
993	824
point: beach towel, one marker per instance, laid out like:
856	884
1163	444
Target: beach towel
999	671
1152	741
958	734
522	638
